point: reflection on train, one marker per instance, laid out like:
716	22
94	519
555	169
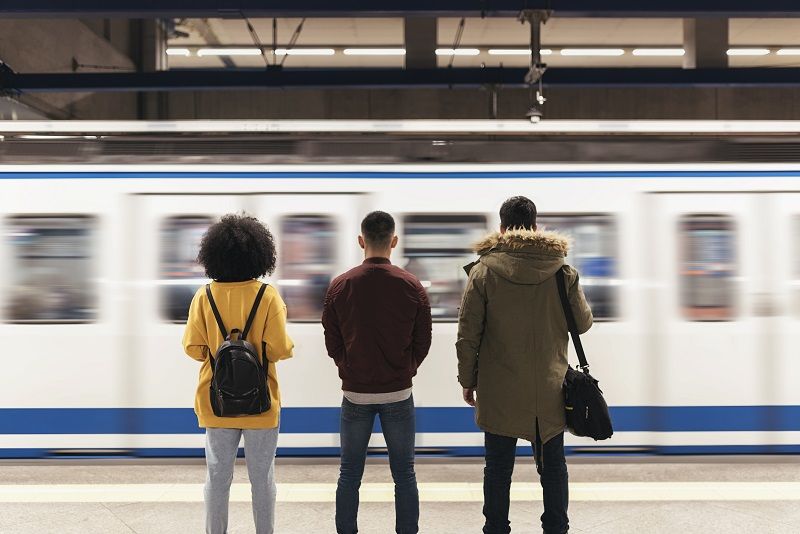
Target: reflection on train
307	261
681	281
435	249
180	272
52	262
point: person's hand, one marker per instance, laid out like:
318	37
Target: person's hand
469	396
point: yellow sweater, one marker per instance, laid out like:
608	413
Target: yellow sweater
202	337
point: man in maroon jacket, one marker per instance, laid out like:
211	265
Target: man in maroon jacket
377	322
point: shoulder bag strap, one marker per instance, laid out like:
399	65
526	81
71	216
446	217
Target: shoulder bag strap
214	309
573	327
253	311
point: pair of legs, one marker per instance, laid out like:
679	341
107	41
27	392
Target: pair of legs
398	424
222	445
552	468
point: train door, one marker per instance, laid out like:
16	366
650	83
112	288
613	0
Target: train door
166	276
317	240
707	265
782	237
58	316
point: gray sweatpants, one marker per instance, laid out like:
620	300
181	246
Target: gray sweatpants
259	451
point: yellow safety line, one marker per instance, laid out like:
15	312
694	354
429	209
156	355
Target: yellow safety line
429	492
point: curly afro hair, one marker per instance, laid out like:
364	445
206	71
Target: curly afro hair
237	248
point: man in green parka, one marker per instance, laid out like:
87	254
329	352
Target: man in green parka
512	351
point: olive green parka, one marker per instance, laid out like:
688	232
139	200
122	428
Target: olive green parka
512	334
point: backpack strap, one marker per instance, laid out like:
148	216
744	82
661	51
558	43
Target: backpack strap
253	311
214	309
571	324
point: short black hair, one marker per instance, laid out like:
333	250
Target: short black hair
377	228
237	248
518	212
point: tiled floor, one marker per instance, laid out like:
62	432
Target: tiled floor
685	496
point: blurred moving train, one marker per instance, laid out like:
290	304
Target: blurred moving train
692	270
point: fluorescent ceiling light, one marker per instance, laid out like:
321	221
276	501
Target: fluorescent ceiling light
748	51
47	137
178	52
229	52
374	51
457	52
788	52
304	51
659	52
516	51
592	52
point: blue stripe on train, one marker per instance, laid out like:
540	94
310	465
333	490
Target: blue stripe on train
429	419
377	175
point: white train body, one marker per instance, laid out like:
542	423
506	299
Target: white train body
696	269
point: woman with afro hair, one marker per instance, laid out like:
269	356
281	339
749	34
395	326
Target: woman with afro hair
236	252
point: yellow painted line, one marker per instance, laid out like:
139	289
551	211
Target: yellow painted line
429	492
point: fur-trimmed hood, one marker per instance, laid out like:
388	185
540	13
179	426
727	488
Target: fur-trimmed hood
523	256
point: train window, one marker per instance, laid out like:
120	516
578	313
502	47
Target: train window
707	267
53	259
181	275
436	248
593	252
307	264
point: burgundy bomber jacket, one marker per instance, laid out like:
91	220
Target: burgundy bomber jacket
377	322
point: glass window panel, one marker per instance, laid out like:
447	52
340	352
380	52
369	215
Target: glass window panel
307	261
53	261
181	275
593	252
707	267
436	248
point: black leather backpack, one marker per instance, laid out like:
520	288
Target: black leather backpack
239	382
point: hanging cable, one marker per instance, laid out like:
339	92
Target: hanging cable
293	40
457	41
256	40
274	40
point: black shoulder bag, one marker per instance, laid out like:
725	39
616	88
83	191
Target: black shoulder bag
586	409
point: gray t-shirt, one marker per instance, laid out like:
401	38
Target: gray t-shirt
377	398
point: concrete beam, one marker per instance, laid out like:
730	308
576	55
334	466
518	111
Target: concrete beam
706	43
420	42
152	57
395	8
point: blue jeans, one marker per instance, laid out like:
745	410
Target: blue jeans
552	467
398	424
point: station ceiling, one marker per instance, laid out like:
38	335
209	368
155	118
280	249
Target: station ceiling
490	42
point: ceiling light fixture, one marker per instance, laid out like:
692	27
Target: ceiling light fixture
229	52
457	51
748	51
304	51
374	51
788	52
659	52
179	52
592	52
517	51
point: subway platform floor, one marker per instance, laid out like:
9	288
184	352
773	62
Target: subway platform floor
620	496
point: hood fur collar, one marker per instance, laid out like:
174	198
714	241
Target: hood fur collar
547	242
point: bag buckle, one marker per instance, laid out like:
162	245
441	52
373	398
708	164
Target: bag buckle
584	368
